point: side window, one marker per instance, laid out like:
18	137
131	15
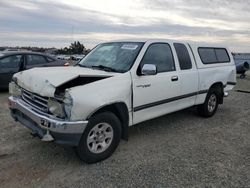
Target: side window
183	56
222	55
35	59
207	55
213	55
10	61
159	54
50	59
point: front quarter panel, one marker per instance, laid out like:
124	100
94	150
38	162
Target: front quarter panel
91	97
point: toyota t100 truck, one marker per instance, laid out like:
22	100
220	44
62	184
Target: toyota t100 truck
90	106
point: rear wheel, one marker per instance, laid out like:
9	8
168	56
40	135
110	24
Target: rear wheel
100	138
209	107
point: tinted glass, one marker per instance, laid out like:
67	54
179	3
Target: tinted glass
10	61
35	59
50	59
160	55
213	55
119	56
183	56
207	55
222	55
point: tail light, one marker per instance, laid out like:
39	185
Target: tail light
66	64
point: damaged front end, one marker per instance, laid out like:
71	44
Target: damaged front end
45	126
40	100
78	81
48	117
53	99
53	106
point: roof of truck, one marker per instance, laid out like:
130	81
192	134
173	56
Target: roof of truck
192	43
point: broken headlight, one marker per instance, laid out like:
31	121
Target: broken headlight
56	108
14	89
68	102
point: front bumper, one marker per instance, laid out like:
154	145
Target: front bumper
63	132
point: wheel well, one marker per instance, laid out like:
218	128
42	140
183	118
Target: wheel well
121	111
218	86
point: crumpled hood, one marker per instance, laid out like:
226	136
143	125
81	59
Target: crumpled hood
44	81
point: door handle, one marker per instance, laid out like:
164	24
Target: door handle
174	78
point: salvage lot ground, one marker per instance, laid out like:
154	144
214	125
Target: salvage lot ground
176	150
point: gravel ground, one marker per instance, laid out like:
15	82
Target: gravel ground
176	150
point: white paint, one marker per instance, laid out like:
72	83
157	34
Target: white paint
127	86
43	81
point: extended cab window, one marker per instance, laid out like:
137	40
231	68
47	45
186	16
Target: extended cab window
159	54
213	55
10	61
35	59
183	56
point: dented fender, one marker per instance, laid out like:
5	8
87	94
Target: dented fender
87	99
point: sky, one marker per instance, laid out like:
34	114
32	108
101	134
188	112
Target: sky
57	23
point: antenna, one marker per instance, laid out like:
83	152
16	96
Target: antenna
72	33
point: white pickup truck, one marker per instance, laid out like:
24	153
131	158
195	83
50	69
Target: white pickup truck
91	105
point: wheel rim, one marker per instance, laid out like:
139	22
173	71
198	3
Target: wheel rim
100	137
212	102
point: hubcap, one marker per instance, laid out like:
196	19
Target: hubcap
100	137
212	102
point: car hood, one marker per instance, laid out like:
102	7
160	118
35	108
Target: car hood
44	81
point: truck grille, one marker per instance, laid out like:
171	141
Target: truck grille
36	101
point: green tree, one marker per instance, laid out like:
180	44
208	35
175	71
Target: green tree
74	48
77	48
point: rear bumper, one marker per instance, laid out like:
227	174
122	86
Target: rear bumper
63	132
229	86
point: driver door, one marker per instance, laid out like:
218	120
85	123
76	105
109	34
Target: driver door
155	95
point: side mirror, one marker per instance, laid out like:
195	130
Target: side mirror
149	69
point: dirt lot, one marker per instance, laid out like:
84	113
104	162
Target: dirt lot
176	150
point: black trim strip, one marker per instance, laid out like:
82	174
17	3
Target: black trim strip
149	105
202	91
242	91
231	83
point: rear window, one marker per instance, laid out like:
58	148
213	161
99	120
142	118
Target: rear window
213	55
35	59
50	59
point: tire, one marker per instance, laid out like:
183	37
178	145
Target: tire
209	107
100	138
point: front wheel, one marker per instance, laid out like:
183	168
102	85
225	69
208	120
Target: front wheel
100	138
209	107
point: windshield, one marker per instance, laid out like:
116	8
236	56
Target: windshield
114	56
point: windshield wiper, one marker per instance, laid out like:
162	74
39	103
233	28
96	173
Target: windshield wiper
84	66
80	65
102	67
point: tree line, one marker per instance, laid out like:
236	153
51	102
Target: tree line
74	48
